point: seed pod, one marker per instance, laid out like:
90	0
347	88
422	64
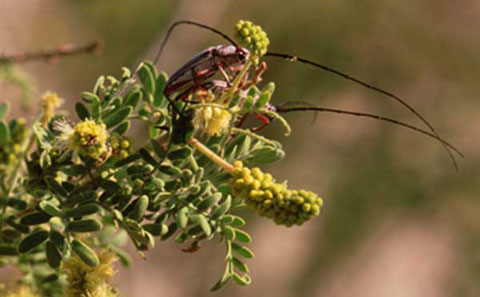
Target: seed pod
82	210
139	208
89	225
85	253
54	258
35	218
32	241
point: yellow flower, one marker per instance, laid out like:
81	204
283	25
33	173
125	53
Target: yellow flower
83	280
20	291
87	138
50	101
211	120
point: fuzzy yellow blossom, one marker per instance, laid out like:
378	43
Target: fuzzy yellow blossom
211	120
20	291
50	101
87	138
86	281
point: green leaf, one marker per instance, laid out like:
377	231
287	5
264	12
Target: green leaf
139	208
74	170
4	109
35	218
122	128
4	133
242	236
242	280
264	155
83	210
32	241
209	201
172	228
127	160
122	255
242	250
58	239
240	265
147	78
160	84
147	157
180	154
110	186
222	281
117	116
55	187
85	253
54	258
98	85
82	111
81	197
133	99
89	225
229	233
154	229
49	208
207	230
89	97
6	250
262	100
158	149
223	208
182	217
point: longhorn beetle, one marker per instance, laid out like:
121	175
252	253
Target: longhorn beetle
197	72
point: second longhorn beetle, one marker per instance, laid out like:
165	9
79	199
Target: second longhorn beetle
198	73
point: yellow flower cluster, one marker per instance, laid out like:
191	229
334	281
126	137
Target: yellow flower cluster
252	36
86	281
20	291
89	139
211	120
50	101
274	200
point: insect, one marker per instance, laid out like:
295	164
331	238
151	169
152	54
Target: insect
199	71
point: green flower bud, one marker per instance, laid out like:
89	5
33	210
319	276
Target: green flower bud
252	36
273	200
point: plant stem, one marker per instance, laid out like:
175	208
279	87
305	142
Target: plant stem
227	96
209	154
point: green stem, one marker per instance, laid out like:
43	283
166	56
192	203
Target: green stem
227	96
12	181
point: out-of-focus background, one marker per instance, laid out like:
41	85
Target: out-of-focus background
398	219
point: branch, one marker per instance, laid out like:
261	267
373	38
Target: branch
49	55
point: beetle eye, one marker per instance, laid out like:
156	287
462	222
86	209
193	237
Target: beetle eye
241	56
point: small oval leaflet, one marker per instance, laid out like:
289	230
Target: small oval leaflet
32	241
85	253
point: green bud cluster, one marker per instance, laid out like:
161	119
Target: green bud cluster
273	200
252	36
121	145
10	151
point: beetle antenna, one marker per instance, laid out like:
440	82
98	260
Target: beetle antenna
377	117
304	103
192	23
366	85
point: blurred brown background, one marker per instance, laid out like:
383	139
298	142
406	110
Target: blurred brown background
398	220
